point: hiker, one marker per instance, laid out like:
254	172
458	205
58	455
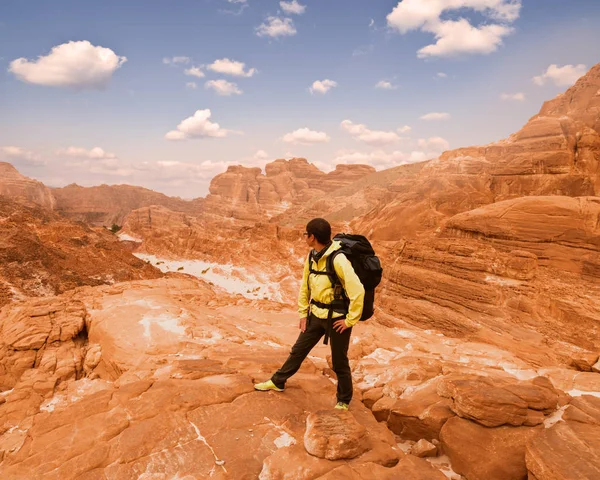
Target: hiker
321	314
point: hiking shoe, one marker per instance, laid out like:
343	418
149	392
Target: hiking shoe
341	406
266	386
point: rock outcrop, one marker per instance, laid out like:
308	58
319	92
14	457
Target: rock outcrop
106	205
248	194
24	190
43	254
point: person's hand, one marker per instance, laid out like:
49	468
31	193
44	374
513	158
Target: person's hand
302	325
340	326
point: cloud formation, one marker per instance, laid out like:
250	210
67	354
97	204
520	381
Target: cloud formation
436	116
292	8
276	27
564	76
231	67
176	60
194	72
305	136
21	156
322	86
454	37
371	137
518	97
223	87
95	153
385	85
78	65
197	126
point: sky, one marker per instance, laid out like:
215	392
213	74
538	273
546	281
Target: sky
166	95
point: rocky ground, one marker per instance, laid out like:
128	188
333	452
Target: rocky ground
153	379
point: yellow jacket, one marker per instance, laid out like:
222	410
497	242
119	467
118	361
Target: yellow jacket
321	289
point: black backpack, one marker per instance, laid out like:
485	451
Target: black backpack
367	267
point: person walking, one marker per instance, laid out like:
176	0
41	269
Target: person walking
322	313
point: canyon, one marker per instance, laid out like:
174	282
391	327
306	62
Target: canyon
132	355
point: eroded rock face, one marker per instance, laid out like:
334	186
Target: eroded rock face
248	194
42	254
335	435
106	205
24	190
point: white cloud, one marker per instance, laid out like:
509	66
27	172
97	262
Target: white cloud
231	67
95	153
322	86
442	75
306	136
404	129
372	137
191	85
223	87
176	60
456	36
436	116
197	126
173	171
385	85
292	8
434	144
561	76
276	27
20	155
519	97
260	155
424	149
194	72
74	64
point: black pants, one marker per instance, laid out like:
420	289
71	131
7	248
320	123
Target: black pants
315	330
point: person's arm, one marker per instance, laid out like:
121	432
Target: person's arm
352	286
304	295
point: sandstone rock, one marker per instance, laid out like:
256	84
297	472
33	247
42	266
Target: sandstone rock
245	193
24	190
372	396
106	205
481	453
568	449
409	468
585	361
498	402
335	435
596	367
42	254
423	448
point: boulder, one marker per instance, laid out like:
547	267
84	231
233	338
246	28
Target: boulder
481	453
335	435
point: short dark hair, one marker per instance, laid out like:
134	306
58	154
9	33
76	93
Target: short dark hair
320	228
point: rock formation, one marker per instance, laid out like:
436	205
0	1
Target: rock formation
22	189
247	194
107	205
42	254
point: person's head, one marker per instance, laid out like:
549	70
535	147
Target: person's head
318	231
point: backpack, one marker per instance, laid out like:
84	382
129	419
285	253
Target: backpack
367	267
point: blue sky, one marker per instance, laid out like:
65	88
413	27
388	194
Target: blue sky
82	114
